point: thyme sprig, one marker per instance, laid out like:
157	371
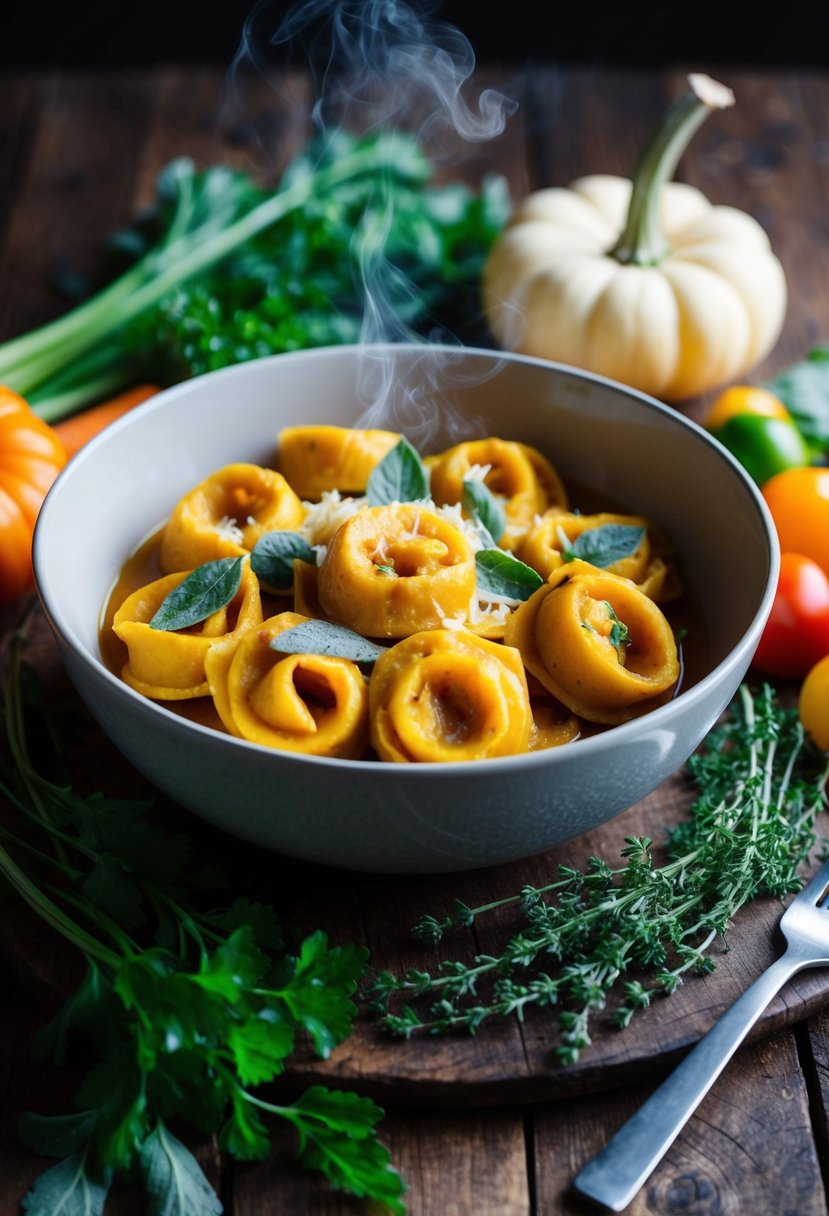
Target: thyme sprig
633	931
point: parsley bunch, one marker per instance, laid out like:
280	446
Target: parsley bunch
633	931
188	1009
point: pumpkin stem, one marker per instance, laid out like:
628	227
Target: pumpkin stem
642	241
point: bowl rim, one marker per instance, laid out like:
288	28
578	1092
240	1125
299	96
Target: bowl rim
655	719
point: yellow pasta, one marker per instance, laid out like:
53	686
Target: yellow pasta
170	665
314	459
446	694
526	481
393	570
473	662
307	703
544	548
226	514
597	643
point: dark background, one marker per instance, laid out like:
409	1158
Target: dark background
98	33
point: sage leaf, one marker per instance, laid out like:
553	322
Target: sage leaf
500	573
173	1178
485	509
605	545
68	1189
205	590
323	637
399	477
272	558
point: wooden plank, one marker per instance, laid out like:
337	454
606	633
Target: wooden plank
749	1147
448	1161
16	129
78	185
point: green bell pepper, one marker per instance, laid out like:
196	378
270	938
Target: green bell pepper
764	446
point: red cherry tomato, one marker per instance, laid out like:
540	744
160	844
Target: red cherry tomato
796	635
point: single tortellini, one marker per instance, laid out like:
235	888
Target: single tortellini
526	481
545	549
169	665
445	695
314	459
226	514
597	643
309	703
394	570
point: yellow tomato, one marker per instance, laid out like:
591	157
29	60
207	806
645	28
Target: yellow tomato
813	703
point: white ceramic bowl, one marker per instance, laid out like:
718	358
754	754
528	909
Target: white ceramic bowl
387	817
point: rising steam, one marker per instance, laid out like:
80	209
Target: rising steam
378	64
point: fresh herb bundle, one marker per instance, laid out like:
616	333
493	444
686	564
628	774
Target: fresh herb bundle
222	270
188	1009
634	931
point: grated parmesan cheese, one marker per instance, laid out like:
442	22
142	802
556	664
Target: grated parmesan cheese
228	529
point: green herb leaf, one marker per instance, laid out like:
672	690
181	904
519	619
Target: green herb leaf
320	990
272	558
619	632
486	510
68	1188
804	390
399	477
324	637
175	1183
57	1135
605	545
337	1138
205	590
500	573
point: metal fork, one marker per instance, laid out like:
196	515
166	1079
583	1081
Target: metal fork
613	1177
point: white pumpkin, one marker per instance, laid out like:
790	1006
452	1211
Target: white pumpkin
652	286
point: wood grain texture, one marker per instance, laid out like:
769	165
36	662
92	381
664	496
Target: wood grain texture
91	145
749	1147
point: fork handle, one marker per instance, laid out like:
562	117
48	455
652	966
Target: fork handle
613	1177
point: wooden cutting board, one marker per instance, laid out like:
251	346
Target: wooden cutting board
507	1061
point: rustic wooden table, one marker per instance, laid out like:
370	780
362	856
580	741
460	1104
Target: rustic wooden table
487	1126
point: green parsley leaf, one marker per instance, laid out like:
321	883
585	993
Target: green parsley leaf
337	1138
485	509
173	1178
399	477
324	637
272	558
500	573
320	990
205	590
56	1135
605	545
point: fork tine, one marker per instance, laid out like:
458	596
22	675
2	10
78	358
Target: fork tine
817	888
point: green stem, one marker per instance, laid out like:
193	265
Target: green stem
642	241
52	914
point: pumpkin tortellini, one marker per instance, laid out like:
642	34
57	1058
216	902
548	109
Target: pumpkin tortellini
226	514
445	694
378	630
643	559
597	643
526	481
170	665
311	703
393	570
